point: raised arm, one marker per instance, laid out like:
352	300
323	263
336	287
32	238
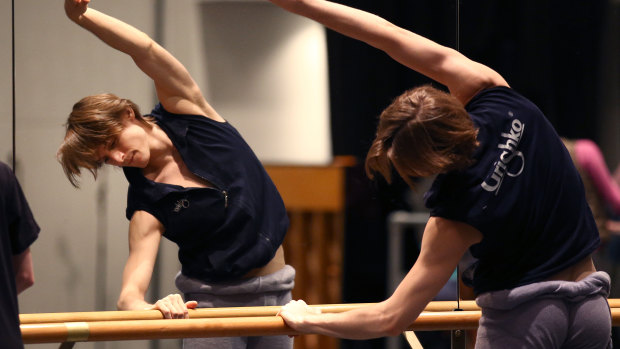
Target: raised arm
175	88
463	77
443	244
144	237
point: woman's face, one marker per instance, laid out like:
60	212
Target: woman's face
130	148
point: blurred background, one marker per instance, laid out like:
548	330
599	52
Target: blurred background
305	99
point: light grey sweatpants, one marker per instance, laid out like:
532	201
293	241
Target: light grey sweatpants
268	290
547	315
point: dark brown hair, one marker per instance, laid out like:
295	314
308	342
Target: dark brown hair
94	121
424	132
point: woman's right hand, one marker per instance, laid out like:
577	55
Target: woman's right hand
75	8
173	307
295	312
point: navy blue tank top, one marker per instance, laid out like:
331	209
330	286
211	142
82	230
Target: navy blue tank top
523	194
223	231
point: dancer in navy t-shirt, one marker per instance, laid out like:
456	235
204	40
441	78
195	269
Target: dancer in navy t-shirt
18	230
192	179
506	190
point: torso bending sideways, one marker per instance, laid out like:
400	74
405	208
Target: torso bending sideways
192	179
505	189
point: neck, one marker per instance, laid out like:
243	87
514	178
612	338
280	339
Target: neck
162	151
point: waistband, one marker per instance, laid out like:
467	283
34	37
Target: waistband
281	280
595	284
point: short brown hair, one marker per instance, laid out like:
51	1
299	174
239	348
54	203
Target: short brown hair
424	132
94	121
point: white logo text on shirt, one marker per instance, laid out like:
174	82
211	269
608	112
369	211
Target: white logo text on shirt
510	153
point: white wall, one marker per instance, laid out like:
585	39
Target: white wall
262	69
5	83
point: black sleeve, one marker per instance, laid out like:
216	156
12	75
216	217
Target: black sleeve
23	229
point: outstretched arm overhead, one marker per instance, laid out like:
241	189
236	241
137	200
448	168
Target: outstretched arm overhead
176	89
463	77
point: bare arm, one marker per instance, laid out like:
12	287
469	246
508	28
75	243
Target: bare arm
463	77
443	244
145	233
176	89
24	273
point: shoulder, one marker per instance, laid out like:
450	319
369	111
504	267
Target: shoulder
8	181
185	107
469	78
500	96
142	195
502	103
5	170
184	129
142	221
169	116
444	195
494	94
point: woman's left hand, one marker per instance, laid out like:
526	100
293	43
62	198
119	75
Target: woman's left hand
173	307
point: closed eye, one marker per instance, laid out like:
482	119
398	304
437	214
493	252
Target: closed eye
111	144
101	152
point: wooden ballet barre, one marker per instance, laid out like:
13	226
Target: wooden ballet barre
219	327
37	318
152	329
227	312
200	313
214	327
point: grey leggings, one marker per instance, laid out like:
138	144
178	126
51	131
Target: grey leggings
268	290
547	315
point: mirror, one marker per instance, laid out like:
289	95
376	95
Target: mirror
82	248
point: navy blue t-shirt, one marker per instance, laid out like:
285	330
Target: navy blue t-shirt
223	231
523	194
18	230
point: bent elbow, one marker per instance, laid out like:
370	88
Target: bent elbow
24	281
29	281
396	329
393	325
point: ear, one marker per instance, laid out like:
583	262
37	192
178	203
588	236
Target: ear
130	114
